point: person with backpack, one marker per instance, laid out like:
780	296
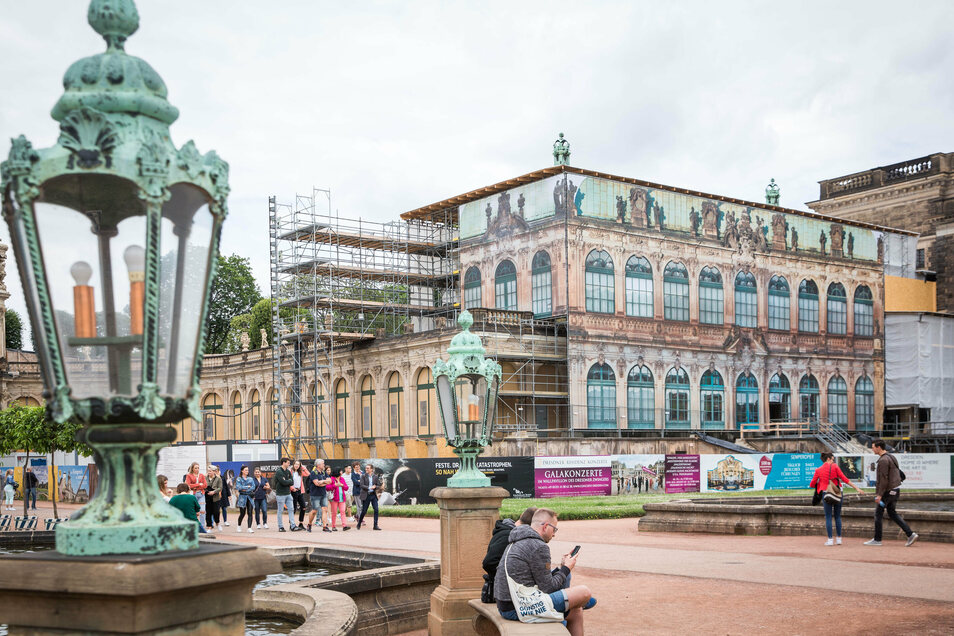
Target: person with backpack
827	482
283	498
887	493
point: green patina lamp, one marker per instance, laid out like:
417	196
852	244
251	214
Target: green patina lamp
467	386
119	350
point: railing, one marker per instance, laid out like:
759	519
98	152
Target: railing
877	177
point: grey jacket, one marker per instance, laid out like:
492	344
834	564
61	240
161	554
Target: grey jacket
528	562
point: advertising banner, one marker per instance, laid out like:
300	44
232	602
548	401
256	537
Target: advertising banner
927	470
730	473
174	462
572	476
682	473
635	474
789	470
73	483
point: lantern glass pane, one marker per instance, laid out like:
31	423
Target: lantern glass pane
445	396
86	272
491	394
186	238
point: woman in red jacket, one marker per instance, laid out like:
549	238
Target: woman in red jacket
824	474
197	484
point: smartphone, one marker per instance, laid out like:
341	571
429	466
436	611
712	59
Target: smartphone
575	550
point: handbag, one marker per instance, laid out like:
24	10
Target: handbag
532	605
833	492
487	591
816	498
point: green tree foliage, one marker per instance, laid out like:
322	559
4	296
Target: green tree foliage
234	292
14	330
252	323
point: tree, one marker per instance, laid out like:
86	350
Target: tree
234	292
14	330
252	323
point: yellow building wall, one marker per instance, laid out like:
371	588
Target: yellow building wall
385	449
909	294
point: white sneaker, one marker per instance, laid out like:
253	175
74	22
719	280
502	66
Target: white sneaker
259	526
226	523
265	525
239	528
250	531
838	541
829	542
872	542
911	539
221	529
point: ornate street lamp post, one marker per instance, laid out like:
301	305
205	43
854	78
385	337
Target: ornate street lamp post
119	350
467	386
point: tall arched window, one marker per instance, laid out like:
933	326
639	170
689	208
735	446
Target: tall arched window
779	316
323	416
711	296
505	286
238	430
255	414
427	422
864	312
640	398
808	398
712	394
746	300
746	400
601	397
639	287
472	288
864	404
837	309
541	282
367	406
211	406
808	306
341	409
599	283
677	398
838	401
395	404
269	429
675	291
780	398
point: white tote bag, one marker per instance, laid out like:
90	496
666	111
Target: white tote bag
532	605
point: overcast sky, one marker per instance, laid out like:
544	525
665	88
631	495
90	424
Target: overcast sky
397	105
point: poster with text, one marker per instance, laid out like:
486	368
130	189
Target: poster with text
636	474
925	470
682	473
572	476
174	462
731	473
789	470
73	483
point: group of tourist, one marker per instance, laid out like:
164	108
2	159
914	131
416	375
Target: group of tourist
325	495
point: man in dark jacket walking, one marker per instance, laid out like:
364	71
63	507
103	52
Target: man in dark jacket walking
30	483
283	482
887	493
371	485
527	562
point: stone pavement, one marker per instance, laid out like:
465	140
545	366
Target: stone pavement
669	582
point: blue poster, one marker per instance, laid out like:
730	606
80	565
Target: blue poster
791	470
72	483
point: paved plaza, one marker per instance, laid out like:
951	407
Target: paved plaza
669	583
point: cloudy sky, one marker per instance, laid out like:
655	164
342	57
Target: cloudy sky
396	105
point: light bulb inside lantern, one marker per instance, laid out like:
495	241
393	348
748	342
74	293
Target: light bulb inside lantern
135	257
81	272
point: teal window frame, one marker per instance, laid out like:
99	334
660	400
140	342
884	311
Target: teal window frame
541	284
711	297
779	307
712	400
746	301
601	397
864	312
472	288
676	292
599	282
677	399
639	287
837	304
864	404
838	402
746	401
808	398
808	306
505	286
780	386
640	398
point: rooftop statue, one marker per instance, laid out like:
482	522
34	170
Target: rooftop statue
561	151
771	193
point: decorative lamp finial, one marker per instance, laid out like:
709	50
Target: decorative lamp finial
115	20
561	151
771	193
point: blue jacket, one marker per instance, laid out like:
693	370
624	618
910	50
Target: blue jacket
260	484
246	489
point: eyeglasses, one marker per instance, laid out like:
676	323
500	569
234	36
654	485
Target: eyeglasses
555	529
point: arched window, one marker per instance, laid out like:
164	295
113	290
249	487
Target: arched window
211	407
677	398
395	404
837	309
640	398
711	296
675	291
864	404
306	422
746	300
808	306
864	312
472	288
323	425
779	316
639	287
269	430
341	409
599	283
601	397
26	400
238	430
808	398
712	393
746	400
780	398
255	414
838	401
541	282
427	422
505	286
367	406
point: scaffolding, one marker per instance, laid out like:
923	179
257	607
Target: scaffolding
340	281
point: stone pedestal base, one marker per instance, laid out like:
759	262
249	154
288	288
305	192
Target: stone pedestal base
468	516
204	591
